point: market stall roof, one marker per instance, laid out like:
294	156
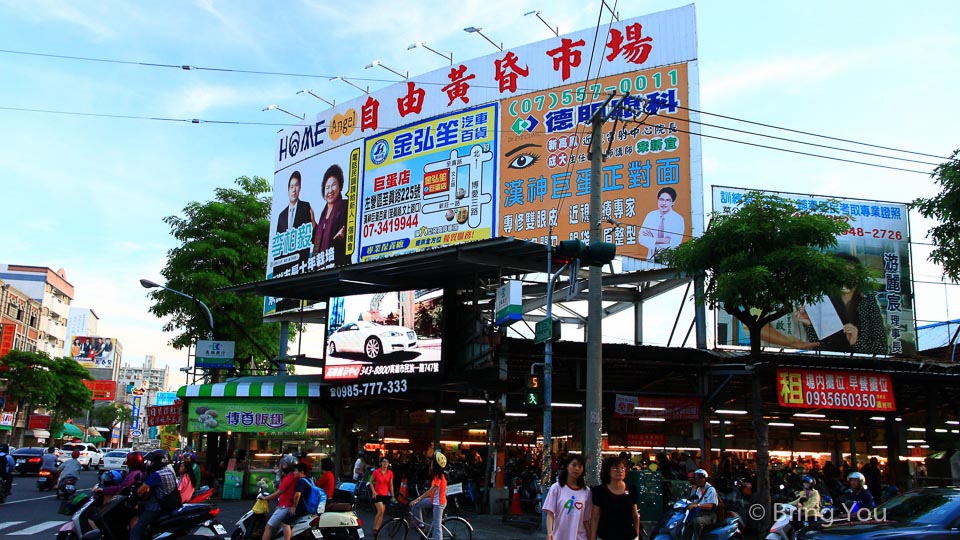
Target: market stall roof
420	270
70	430
279	386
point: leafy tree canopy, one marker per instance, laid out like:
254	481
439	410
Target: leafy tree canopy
945	208
764	258
111	414
223	243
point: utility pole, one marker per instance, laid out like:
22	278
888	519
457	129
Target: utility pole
592	433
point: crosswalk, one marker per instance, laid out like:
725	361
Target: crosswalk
15	528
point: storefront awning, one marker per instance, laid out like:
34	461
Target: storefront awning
70	430
252	388
38	433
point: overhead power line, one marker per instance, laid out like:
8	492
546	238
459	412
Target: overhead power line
135	117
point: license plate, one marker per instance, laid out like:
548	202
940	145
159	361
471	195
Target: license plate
219	529
21	461
359	532
316	533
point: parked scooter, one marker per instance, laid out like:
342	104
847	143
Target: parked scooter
785	525
674	523
338	521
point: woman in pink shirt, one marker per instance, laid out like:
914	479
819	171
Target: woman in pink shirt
187	483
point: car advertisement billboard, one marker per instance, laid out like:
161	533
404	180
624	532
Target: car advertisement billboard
388	339
94	352
877	321
497	145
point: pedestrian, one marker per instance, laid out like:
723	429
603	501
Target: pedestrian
436	495
614	515
872	474
358	468
326	481
381	484
568	503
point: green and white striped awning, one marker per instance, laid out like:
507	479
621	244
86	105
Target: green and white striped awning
258	389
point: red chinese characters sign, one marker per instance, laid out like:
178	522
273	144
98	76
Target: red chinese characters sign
657	407
102	390
164	415
858	391
39	421
7	334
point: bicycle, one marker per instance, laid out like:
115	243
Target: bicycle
397	528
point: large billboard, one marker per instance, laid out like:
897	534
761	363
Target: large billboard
877	321
385	340
497	146
95	352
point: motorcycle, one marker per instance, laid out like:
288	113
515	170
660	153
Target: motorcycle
673	525
46	480
67	488
338	521
112	518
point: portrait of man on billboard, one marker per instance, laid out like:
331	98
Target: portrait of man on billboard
297	214
663	228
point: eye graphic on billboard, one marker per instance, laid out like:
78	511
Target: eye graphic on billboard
388	337
877	321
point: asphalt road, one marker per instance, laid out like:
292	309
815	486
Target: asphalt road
32	514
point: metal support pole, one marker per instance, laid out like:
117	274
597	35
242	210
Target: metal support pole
284	343
547	460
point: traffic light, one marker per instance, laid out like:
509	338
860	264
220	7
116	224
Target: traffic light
596	254
533	398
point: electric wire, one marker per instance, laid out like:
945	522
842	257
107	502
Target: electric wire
135	117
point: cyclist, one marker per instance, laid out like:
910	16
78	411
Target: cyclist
435	496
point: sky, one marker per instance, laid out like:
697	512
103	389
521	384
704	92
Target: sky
88	193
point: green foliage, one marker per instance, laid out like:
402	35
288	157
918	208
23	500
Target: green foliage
111	414
945	208
72	397
764	258
223	243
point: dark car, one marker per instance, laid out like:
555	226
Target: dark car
28	460
928	513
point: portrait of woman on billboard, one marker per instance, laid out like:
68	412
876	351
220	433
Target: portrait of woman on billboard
331	229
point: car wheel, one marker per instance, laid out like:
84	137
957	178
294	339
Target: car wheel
331	348
372	348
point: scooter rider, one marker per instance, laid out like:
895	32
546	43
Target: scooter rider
8	467
161	481
705	497
69	468
133	479
808	502
860	494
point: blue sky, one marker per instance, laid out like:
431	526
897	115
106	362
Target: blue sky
89	194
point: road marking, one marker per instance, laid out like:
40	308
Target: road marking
38	528
6	524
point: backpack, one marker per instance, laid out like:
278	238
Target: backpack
316	500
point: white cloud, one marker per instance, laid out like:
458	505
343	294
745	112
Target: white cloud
63	11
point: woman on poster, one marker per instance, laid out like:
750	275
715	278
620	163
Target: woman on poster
331	229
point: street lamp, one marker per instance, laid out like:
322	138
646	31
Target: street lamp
555	30
308	91
342	78
381	64
147	284
278	108
477	30
423	44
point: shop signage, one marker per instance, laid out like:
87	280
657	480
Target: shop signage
543	331
165	415
215	354
135	412
8	332
136	433
509	304
653	440
247	415
39	421
657	407
859	391
102	390
6	420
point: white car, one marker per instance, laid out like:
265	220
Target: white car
114	459
372	339
90	457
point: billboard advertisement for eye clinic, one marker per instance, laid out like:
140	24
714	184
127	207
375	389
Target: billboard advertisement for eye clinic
879	320
387	339
497	146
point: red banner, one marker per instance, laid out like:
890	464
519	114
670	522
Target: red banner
39	421
164	415
657	407
7	335
653	440
102	390
805	388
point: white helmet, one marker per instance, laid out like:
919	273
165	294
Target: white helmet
701	472
858	476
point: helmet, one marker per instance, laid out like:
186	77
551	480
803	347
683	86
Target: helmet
188	456
134	461
807	479
701	472
110	478
440	459
857	476
156	459
75	454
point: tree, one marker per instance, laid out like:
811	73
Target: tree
111	414
223	243
760	261
945	208
36	380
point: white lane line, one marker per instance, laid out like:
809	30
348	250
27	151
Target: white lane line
38	528
6	524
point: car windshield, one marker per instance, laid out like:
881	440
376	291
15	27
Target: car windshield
72	447
926	507
116	454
